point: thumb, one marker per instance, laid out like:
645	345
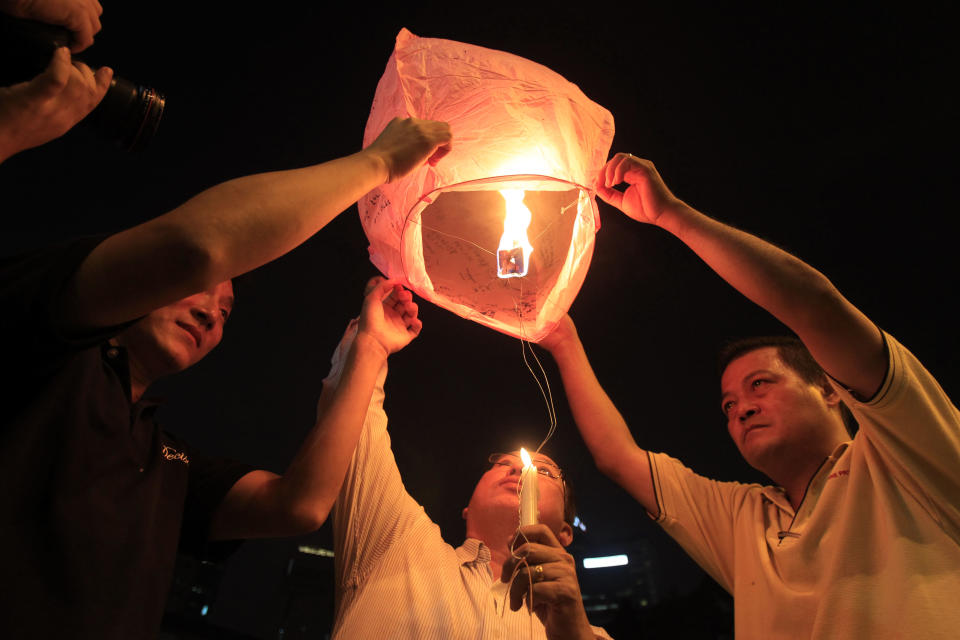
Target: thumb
53	79
381	291
439	154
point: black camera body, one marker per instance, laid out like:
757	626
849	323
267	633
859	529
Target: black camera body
128	115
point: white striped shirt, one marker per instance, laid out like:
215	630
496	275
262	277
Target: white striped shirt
395	575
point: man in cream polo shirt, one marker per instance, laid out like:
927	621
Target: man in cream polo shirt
859	538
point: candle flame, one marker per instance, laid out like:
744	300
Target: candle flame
513	254
525	457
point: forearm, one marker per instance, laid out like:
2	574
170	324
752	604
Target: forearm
603	429
840	337
578	628
247	222
224	231
571	623
263	504
785	286
312	481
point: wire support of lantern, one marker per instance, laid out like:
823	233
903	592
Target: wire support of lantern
547	394
525	345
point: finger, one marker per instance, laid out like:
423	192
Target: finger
538	573
436	130
54	78
548	594
546	555
379	293
415	327
85	72
407	318
91	16
541	533
95	26
103	77
611	196
625	163
82	33
507	569
608	172
396	290
541	579
371	285
610	169
438	154
520	587
409	308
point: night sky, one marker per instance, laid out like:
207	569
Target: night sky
830	134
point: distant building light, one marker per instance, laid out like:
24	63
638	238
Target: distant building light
604	606
315	551
605	561
203	611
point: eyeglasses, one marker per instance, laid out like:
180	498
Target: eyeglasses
544	467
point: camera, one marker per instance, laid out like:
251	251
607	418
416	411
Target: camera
129	113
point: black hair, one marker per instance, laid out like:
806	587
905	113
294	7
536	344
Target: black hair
795	355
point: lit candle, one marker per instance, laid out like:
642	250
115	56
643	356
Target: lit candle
529	491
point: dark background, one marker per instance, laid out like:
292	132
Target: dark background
829	132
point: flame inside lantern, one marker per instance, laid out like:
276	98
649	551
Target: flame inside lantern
525	457
513	254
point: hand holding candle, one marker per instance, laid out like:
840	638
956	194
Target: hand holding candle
529	491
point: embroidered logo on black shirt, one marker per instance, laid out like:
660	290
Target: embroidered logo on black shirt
172	454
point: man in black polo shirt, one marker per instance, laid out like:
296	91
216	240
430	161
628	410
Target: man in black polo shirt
94	493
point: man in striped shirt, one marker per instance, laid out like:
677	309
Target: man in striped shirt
397	578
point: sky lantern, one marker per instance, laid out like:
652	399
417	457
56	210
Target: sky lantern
502	230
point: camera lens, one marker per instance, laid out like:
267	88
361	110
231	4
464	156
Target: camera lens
129	114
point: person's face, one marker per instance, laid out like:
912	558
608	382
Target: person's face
179	335
771	411
498	490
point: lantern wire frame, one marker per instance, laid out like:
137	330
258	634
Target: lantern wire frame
527	181
412	247
525	345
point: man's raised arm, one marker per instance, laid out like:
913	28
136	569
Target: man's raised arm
264	504
842	339
604	430
234	227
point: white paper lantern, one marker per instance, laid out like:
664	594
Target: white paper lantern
525	139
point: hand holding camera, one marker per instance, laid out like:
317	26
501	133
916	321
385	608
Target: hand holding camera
35	112
48	92
80	17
